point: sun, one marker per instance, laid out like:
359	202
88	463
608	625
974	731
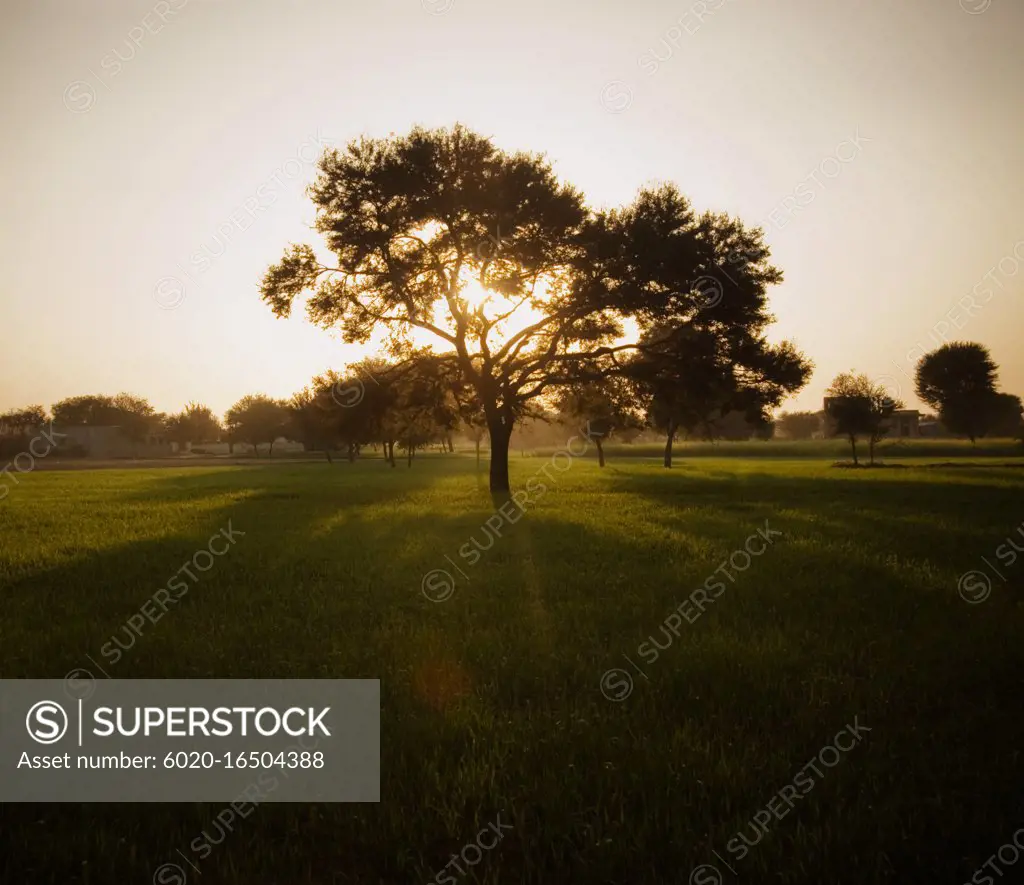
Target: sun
475	294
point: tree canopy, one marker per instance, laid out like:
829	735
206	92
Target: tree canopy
856	406
256	419
959	379
520	284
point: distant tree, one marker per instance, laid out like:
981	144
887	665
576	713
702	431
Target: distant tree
195	423
92	410
136	417
364	399
21	421
798	425
310	420
257	419
735	425
959	379
1004	418
425	409
604	406
472	420
407	403
175	430
857	407
202	423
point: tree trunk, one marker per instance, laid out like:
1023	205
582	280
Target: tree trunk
500	436
853	445
478	454
390	449
351	453
408	460
327	452
668	443
600	451
270	451
451	444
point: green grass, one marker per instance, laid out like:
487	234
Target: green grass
838	449
492	701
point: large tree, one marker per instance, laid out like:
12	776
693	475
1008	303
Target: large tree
439	232
959	379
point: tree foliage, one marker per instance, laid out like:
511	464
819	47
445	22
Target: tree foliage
692	381
959	380
856	406
21	421
440	232
195	423
605	406
257	419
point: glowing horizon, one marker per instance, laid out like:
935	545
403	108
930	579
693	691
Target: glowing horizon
884	172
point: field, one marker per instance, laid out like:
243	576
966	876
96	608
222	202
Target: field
533	695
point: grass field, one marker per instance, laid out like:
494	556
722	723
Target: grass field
498	701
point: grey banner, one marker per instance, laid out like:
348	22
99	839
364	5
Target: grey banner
190	740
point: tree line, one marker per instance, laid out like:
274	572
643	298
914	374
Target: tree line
422	401
406	404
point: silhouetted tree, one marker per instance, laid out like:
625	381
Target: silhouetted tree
310	419
21	421
136	417
92	410
858	407
691	380
959	380
441	231
257	419
1004	418
195	423
425	409
605	406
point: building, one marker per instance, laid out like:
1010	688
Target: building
905	423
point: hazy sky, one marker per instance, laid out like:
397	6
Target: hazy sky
150	146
